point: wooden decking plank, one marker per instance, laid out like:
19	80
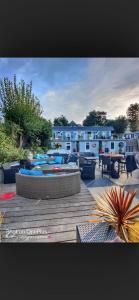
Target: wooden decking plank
36	208
44	211
42	231
58	217
43	223
72	199
38	217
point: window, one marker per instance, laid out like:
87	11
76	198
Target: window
132	135
129	148
67	146
89	135
87	146
68	136
59	134
103	135
112	145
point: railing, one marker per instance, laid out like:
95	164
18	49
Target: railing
81	138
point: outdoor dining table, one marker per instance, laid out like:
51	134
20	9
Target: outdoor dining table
115	157
90	158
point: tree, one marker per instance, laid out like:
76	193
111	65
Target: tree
95	118
21	108
61	121
133	116
119	124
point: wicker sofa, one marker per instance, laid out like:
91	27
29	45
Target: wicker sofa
45	187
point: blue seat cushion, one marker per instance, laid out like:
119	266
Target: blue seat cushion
51	162
31	172
36	163
49	174
58	159
41	156
37	156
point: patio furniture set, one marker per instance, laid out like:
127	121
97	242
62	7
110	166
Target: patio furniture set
114	164
56	176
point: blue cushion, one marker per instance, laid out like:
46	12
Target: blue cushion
36	163
51	162
37	156
41	156
31	172
36	172
24	171
58	159
49	174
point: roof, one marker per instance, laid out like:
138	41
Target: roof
83	128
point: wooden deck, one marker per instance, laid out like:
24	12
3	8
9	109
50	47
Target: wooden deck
54	220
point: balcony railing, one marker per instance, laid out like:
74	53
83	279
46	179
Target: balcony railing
80	138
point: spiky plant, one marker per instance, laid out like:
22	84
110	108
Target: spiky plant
115	208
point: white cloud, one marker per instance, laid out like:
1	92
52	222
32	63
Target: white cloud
110	85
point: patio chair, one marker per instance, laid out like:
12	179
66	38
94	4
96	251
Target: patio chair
122	165
65	158
88	170
72	158
26	164
130	164
82	161
9	173
100	160
106	165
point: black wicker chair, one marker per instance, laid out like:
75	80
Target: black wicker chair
88	170
65	158
100	160
106	165
130	164
26	163
95	233
73	158
9	173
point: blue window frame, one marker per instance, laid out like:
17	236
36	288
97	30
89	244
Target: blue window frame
87	146
112	145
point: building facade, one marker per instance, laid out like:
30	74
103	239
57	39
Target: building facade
132	141
93	139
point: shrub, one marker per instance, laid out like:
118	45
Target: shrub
8	150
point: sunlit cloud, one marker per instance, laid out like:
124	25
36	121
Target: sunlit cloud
75	86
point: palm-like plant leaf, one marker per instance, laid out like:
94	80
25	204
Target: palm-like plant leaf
114	208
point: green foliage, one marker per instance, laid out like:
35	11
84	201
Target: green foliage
22	113
119	124
95	118
133	116
61	121
8	150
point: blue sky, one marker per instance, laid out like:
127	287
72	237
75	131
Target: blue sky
75	86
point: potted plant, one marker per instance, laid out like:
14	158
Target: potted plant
116	208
